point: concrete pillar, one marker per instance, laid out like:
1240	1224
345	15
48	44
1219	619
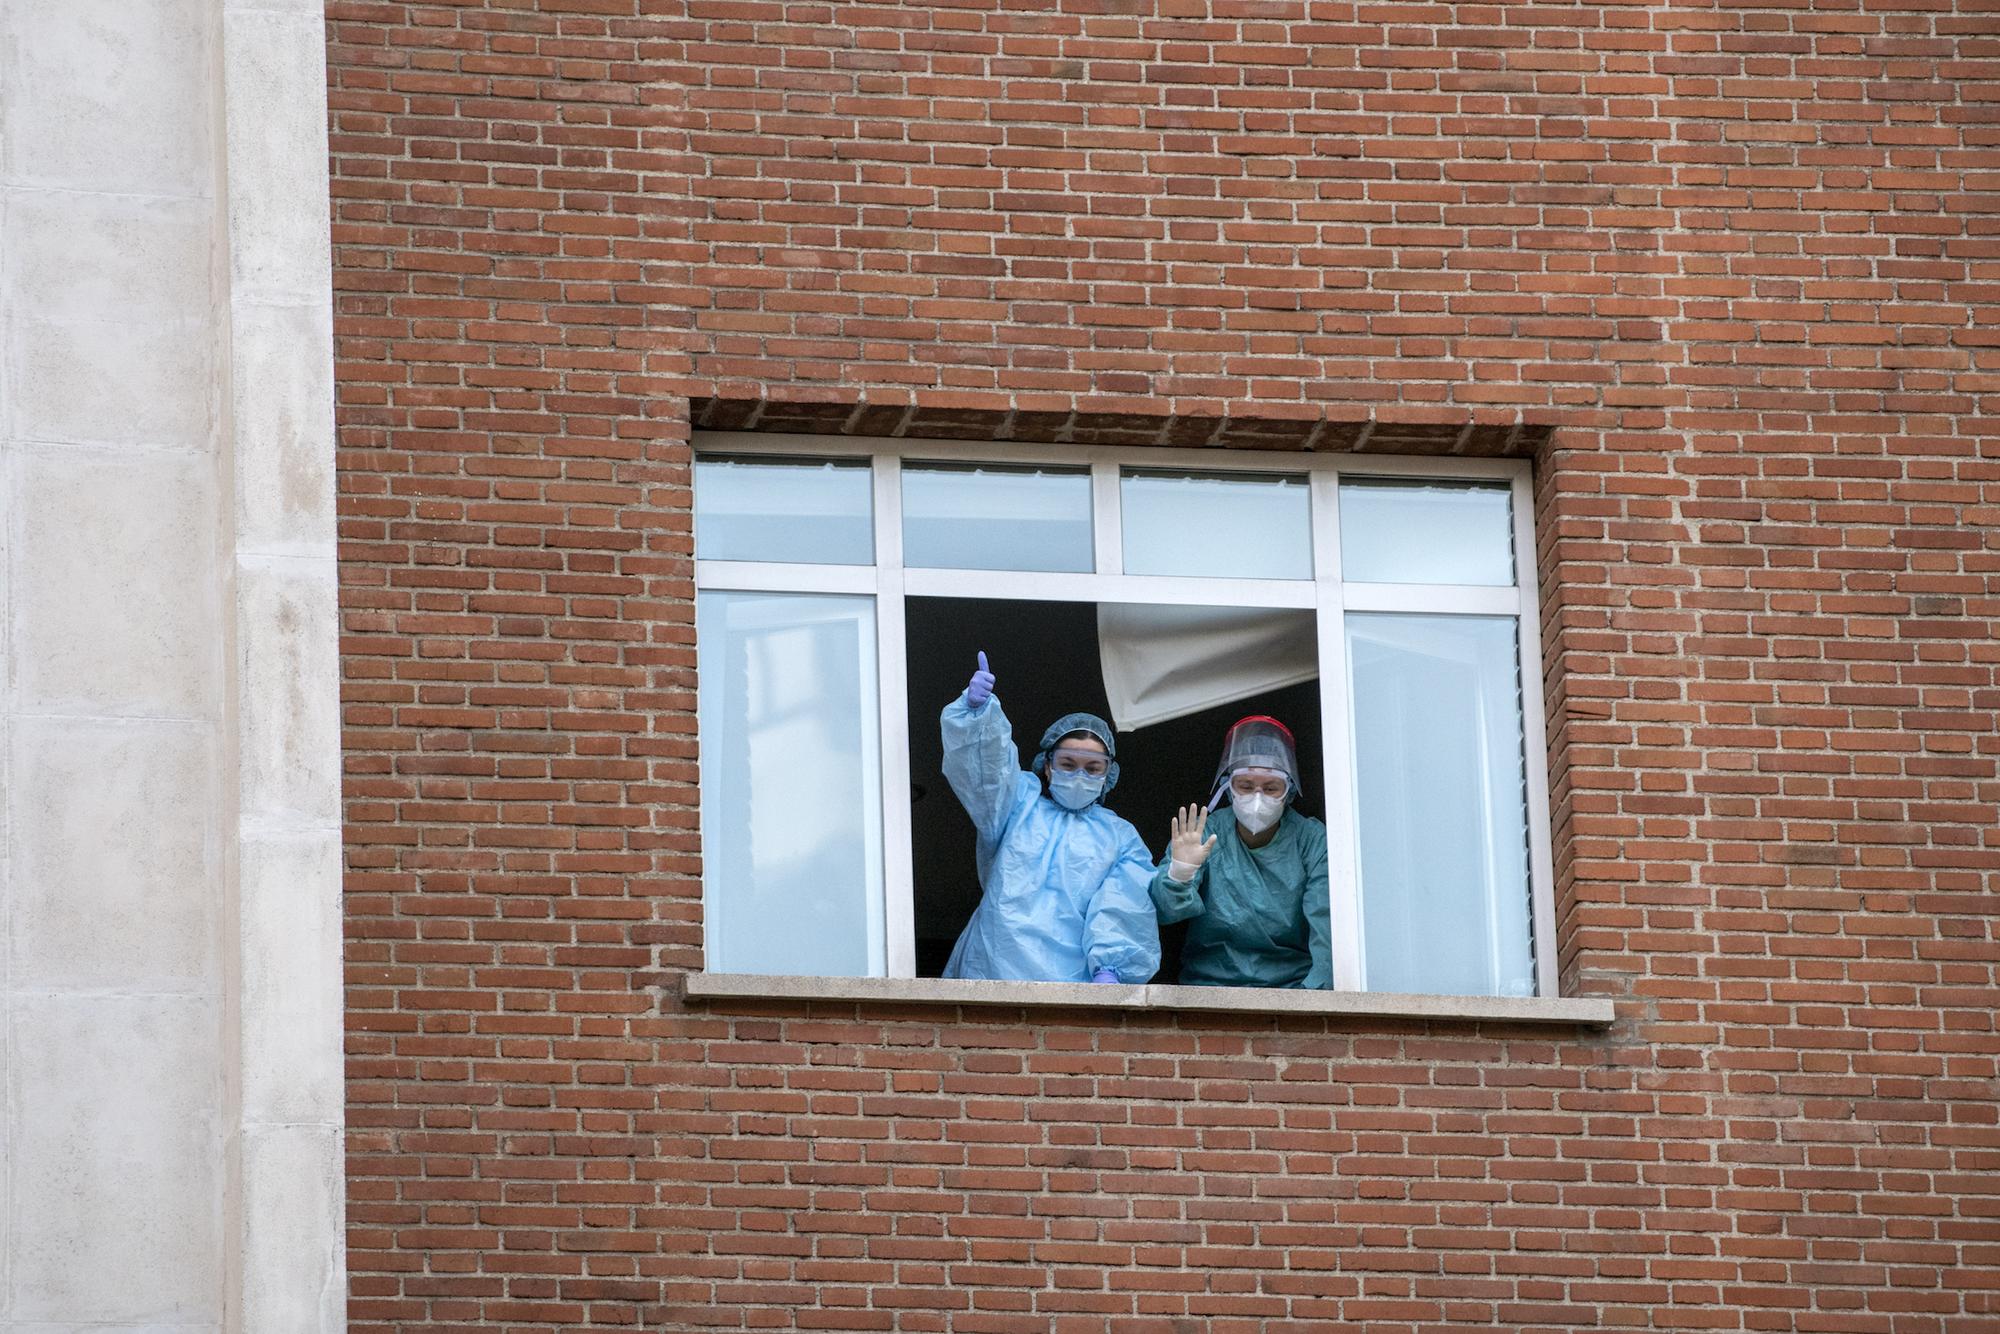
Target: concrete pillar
169	850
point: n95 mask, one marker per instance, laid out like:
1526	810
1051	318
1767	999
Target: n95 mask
1257	812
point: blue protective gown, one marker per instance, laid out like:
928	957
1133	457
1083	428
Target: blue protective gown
1260	916
1065	891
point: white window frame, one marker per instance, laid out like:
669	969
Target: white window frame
889	582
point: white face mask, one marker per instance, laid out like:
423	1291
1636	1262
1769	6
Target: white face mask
1075	790
1258	811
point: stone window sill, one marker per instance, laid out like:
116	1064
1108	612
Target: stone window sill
1578	1012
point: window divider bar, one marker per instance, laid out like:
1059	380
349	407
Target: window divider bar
1535	742
1433	599
1157	589
899	915
757	577
744	576
1107	525
1343	852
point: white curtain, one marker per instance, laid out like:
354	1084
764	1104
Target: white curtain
1163	662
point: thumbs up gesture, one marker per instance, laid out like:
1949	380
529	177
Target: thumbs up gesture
980	688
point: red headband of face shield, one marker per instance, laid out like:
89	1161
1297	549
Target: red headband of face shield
1265	719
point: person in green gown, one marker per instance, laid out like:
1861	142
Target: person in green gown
1250	878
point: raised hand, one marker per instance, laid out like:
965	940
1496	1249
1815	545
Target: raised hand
980	688
1186	847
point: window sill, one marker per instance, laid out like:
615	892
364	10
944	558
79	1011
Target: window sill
1582	1011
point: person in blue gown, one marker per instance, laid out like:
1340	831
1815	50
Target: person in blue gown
1250	878
1065	881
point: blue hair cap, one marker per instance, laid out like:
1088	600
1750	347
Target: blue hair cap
1073	724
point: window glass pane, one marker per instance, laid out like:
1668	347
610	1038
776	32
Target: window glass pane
1442	804
988	518
791	797
1243	527
792	510
1426	533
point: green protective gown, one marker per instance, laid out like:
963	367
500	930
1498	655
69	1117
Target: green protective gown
1260	916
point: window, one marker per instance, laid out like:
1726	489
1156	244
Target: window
1390	604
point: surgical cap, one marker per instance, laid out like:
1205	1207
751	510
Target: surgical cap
1070	724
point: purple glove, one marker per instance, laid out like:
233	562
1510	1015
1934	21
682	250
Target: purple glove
980	688
1104	975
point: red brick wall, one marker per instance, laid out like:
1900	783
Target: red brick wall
1742	262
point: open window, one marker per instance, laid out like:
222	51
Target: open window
1385	608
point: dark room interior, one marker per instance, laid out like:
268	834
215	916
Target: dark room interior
1045	658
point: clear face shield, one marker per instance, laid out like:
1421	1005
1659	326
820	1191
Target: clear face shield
1259	755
